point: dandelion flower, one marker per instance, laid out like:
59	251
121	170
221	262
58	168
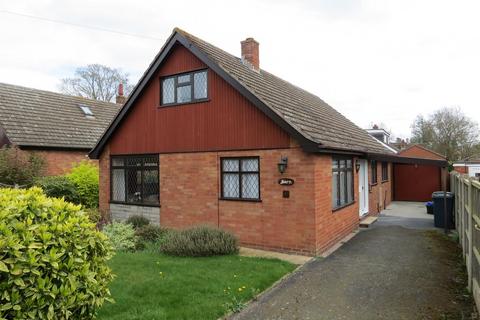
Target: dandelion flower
240	289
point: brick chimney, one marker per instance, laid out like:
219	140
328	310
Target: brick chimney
250	53
120	99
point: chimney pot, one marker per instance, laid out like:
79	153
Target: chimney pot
120	99
250	53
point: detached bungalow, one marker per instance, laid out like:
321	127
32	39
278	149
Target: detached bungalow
61	128
210	138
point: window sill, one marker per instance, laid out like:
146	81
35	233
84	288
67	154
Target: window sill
136	204
373	184
343	207
243	200
384	181
183	104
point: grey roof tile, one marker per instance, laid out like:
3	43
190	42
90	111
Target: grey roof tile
32	117
307	113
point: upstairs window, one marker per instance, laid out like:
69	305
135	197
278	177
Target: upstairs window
185	88
384	171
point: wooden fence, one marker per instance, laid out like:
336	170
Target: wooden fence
467	223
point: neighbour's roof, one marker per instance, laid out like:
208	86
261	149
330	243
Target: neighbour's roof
411	151
43	119
315	124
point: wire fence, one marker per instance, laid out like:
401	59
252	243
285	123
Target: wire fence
467	223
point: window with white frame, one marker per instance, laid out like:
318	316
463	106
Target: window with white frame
240	178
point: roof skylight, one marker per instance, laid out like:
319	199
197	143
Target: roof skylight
86	110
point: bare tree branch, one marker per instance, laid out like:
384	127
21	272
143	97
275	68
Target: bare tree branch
96	81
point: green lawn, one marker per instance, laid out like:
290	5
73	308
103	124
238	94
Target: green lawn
153	286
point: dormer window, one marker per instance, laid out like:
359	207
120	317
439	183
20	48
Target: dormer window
184	88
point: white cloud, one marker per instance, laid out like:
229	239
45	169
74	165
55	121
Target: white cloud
374	61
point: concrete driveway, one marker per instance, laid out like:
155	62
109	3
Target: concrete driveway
394	270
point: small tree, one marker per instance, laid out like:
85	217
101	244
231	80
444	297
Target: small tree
85	177
19	167
96	81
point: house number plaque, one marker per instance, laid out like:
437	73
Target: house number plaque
285	181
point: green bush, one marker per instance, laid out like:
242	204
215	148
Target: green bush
53	263
19	167
121	236
85	177
149	234
137	221
199	241
58	187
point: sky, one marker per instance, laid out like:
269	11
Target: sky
383	61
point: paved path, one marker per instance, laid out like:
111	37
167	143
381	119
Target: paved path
385	272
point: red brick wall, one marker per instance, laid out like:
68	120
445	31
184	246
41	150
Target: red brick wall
104	182
60	162
304	223
190	187
416	151
380	194
462	169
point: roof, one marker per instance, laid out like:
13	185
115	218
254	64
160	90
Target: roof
43	119
424	152
307	118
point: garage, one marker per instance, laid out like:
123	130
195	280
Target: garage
418	178
413	182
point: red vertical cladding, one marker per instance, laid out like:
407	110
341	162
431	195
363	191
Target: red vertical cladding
227	121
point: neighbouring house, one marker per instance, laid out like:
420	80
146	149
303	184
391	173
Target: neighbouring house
417	182
60	128
470	166
210	138
383	136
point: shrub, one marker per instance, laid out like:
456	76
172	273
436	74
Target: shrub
93	214
19	167
149	234
199	241
85	177
58	187
53	261
137	221
121	236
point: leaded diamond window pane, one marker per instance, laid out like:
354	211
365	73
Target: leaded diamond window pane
250	186
250	165
117	162
200	85
168	91
150	161
184	94
184	79
150	187
118	185
231	185
137	162
230	165
134	186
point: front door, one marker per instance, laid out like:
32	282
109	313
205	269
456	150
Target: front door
363	187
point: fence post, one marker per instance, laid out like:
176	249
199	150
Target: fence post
471	225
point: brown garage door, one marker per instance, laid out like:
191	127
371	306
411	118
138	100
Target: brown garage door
415	182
